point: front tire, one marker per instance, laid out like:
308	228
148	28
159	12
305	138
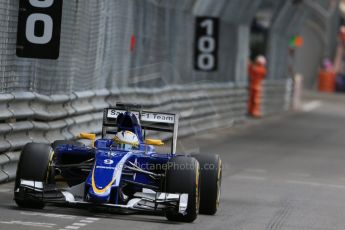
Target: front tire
33	166
182	176
210	183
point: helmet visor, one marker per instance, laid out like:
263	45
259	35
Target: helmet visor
126	147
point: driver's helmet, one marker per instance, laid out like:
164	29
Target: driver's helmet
126	140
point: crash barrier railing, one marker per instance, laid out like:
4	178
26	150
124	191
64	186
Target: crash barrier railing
27	117
277	96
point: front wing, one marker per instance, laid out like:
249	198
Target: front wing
142	202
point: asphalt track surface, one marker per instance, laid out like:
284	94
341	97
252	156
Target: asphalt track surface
285	172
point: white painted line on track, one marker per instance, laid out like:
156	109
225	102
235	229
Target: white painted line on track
32	224
5	190
80	224
300	174
308	183
72	227
316	184
86	221
92	218
48	215
311	106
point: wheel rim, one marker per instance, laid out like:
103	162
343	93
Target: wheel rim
52	153
197	197
219	182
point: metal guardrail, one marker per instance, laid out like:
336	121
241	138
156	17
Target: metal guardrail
28	117
277	96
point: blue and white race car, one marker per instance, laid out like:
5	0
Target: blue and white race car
121	171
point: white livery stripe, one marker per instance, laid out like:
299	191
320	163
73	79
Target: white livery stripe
119	168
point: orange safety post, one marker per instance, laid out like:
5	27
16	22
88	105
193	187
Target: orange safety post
327	81
257	73
327	77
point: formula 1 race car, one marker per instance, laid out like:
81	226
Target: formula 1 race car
121	171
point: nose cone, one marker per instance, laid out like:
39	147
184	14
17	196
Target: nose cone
106	174
103	176
94	197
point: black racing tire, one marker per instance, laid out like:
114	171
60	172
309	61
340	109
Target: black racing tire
33	165
65	142
182	176
210	182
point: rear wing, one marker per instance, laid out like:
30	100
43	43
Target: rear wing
155	121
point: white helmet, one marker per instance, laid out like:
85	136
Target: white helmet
261	60
127	140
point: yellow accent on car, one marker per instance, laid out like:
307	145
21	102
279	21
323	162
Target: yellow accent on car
88	136
101	191
154	142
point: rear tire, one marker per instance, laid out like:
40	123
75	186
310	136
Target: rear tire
182	176
210	183
33	165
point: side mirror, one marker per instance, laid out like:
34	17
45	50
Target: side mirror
88	136
154	142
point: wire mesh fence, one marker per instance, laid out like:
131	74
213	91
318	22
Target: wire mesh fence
112	44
